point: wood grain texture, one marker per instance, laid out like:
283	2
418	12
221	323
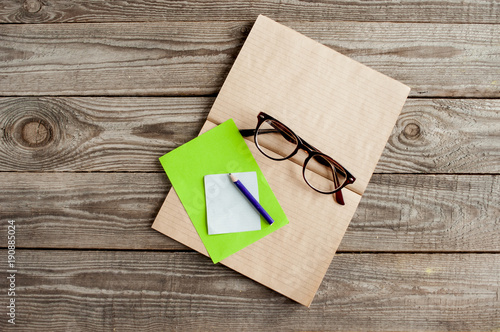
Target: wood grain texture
444	136
96	134
130	134
80	174
427	213
92	290
193	58
444	11
420	213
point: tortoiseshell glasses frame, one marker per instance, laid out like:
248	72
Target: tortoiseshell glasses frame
267	124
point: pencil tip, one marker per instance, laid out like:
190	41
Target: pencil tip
233	178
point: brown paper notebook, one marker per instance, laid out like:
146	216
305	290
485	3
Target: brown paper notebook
340	106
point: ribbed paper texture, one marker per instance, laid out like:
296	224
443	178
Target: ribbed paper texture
340	106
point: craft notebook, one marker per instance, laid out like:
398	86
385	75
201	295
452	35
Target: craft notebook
220	150
340	106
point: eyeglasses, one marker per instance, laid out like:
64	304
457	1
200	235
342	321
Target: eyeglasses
278	142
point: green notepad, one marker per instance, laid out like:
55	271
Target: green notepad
219	150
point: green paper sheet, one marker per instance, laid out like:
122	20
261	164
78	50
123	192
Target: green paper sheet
219	150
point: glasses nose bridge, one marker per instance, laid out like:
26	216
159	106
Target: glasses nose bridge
306	149
306	146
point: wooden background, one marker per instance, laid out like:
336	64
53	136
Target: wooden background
94	91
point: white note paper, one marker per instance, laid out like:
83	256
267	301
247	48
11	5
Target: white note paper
228	210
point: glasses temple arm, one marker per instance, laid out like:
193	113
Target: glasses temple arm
247	132
251	132
339	198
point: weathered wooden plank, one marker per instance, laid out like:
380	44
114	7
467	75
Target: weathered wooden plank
129	134
96	134
427	213
69	290
444	136
421	213
85	210
193	58
443	11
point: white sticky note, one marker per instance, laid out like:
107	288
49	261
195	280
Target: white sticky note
228	210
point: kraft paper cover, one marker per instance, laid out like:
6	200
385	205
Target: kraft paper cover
340	106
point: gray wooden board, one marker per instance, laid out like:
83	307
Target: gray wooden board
420	213
80	174
444	11
193	58
130	134
151	291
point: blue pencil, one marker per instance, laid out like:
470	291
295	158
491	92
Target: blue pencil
252	199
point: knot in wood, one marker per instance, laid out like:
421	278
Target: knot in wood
245	30
32	6
35	133
412	131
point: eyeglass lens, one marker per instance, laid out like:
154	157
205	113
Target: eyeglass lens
277	142
321	174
